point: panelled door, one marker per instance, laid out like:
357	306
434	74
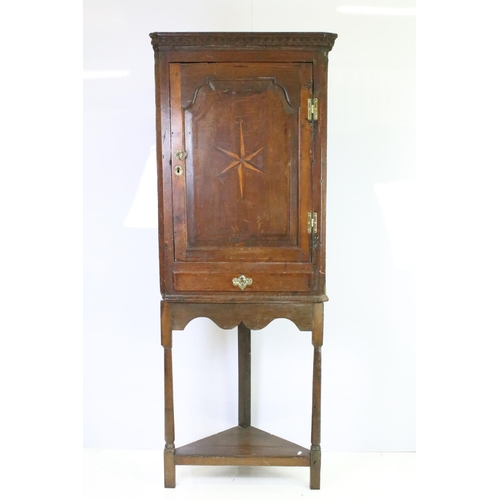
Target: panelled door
241	170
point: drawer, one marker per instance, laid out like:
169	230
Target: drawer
237	282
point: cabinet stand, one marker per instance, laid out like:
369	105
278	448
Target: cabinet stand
243	444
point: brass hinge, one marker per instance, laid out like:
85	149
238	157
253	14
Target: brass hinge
312	222
312	109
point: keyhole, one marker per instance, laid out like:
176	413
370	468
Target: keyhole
178	170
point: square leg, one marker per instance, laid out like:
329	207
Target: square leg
244	376
317	341
169	453
169	467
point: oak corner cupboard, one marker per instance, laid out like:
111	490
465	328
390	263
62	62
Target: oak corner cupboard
241	152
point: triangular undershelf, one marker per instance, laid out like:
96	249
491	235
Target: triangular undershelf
242	446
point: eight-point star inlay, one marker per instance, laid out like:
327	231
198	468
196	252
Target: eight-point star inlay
242	160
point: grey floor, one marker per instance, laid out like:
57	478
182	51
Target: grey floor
138	474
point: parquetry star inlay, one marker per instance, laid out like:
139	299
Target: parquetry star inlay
242	160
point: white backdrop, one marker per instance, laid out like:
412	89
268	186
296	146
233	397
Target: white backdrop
369	350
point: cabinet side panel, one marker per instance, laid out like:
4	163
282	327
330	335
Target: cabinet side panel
320	66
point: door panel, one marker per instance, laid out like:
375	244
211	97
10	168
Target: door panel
244	189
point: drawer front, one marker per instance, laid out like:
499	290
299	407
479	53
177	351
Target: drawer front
244	283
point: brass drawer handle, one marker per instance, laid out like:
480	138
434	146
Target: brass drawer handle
242	282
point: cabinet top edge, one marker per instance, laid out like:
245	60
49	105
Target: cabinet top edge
244	40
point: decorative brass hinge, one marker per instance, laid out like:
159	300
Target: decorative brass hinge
312	109
312	222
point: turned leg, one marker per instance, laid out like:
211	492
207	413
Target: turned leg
244	372
169	453
317	341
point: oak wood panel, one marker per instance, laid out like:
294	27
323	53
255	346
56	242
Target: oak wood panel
223	282
253	316
319	170
251	461
242	446
264	253
232	202
165	229
178	181
236	267
233	115
289	76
